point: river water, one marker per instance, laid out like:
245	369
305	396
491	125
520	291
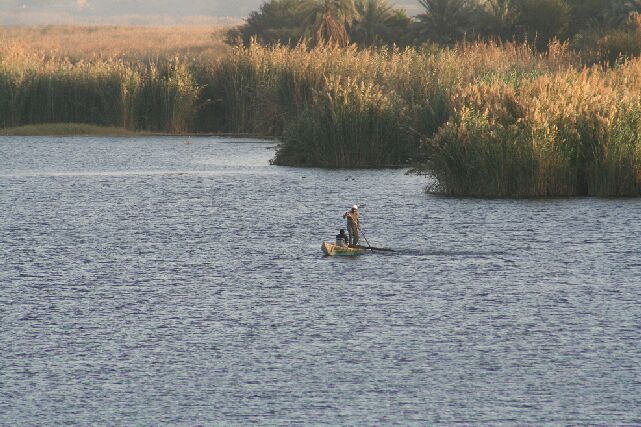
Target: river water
148	281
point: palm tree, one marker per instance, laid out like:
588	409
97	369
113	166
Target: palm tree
372	27
543	20
275	22
327	20
446	21
620	11
499	17
587	15
600	15
633	6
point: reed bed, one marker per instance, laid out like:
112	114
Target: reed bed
349	124
563	134
152	96
309	95
135	43
484	119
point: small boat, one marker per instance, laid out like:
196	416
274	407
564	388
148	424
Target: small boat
331	249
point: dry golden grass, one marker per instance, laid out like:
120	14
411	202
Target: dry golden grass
131	42
495	119
572	132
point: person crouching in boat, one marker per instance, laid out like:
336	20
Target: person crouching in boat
342	239
353	222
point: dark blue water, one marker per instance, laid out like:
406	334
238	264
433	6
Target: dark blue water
161	281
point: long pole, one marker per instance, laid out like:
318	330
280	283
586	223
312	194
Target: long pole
364	237
372	248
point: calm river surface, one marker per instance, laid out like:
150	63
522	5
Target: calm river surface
148	281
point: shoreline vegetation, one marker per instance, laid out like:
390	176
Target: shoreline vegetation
66	129
483	118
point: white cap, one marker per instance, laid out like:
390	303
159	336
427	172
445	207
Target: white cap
355	207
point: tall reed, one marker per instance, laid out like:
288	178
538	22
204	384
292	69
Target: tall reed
349	124
155	96
562	134
494	119
274	90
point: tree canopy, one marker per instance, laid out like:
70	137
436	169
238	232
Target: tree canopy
379	22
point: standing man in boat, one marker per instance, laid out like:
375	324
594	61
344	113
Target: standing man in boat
353	223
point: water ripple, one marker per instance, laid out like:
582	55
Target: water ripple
148	281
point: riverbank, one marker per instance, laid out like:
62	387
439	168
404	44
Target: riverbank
67	129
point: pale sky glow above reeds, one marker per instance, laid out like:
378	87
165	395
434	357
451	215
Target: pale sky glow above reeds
106	8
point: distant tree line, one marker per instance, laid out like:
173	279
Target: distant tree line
364	22
587	23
